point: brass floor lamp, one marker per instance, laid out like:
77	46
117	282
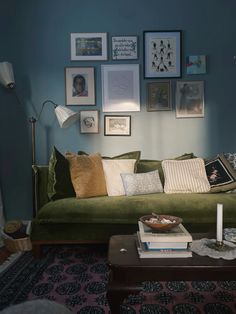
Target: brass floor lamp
65	116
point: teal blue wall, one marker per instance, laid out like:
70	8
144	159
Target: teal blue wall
35	37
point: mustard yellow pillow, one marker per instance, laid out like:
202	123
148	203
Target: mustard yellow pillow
87	175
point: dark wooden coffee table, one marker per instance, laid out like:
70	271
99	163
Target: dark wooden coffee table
128	271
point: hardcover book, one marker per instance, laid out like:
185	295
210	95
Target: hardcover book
175	235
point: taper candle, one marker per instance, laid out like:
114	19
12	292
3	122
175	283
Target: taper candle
219	223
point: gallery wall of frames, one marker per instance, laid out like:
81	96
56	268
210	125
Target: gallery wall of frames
162	68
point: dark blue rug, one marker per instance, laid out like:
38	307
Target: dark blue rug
77	278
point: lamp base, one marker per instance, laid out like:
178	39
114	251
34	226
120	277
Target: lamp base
219	246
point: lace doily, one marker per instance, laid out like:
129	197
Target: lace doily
201	247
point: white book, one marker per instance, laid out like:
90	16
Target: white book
176	234
145	253
166	245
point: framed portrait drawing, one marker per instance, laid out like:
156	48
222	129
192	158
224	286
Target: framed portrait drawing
117	125
159	96
120	87
80	89
162	54
89	121
88	46
189	99
124	47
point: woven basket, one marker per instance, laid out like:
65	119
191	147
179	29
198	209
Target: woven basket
16	245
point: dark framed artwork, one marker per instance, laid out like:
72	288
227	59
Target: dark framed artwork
159	96
162	54
89	121
117	125
80	86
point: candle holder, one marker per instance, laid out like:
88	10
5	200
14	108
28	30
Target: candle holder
219	246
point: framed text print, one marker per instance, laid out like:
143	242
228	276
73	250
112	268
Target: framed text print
162	54
120	87
124	47
88	46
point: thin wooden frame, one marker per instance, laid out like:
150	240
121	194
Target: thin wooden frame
117	125
120	87
89	121
88	46
189	99
162	54
80	86
124	47
159	96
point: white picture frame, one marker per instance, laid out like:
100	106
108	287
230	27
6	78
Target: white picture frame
120	88
117	125
189	99
124	47
89	121
82	77
88	46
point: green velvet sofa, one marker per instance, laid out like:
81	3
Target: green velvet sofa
94	220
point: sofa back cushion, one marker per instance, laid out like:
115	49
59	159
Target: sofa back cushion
59	181
185	176
87	175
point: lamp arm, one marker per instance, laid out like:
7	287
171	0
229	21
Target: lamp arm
43	104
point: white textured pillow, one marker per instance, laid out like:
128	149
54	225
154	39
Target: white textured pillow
112	169
142	183
185	176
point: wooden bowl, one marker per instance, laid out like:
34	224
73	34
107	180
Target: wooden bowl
160	225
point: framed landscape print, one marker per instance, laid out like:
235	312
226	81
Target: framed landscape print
120	87
124	47
117	125
80	89
159	96
89	121
162	54
88	46
189	99
196	64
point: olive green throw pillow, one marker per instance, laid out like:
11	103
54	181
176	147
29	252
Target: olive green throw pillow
59	180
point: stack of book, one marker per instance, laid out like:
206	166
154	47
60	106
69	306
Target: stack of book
166	244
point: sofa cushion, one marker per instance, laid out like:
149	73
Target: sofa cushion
185	176
113	169
142	183
221	175
145	165
87	175
59	180
231	157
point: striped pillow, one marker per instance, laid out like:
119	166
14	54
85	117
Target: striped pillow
185	176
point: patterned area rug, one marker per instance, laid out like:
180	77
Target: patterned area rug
77	278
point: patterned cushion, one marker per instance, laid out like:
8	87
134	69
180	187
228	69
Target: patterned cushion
142	183
87	175
185	176
221	175
113	169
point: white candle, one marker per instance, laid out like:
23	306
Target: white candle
219	223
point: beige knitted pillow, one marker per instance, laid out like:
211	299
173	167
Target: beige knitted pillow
87	175
185	176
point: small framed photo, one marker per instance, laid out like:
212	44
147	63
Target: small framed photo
120	87
124	47
89	121
88	46
159	96
80	87
162	54
196	64
189	99
117	125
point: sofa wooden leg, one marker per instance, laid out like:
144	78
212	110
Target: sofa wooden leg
36	250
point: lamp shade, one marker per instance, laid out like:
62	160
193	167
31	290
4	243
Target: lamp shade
65	116
7	75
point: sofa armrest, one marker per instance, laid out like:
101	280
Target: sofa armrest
40	186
